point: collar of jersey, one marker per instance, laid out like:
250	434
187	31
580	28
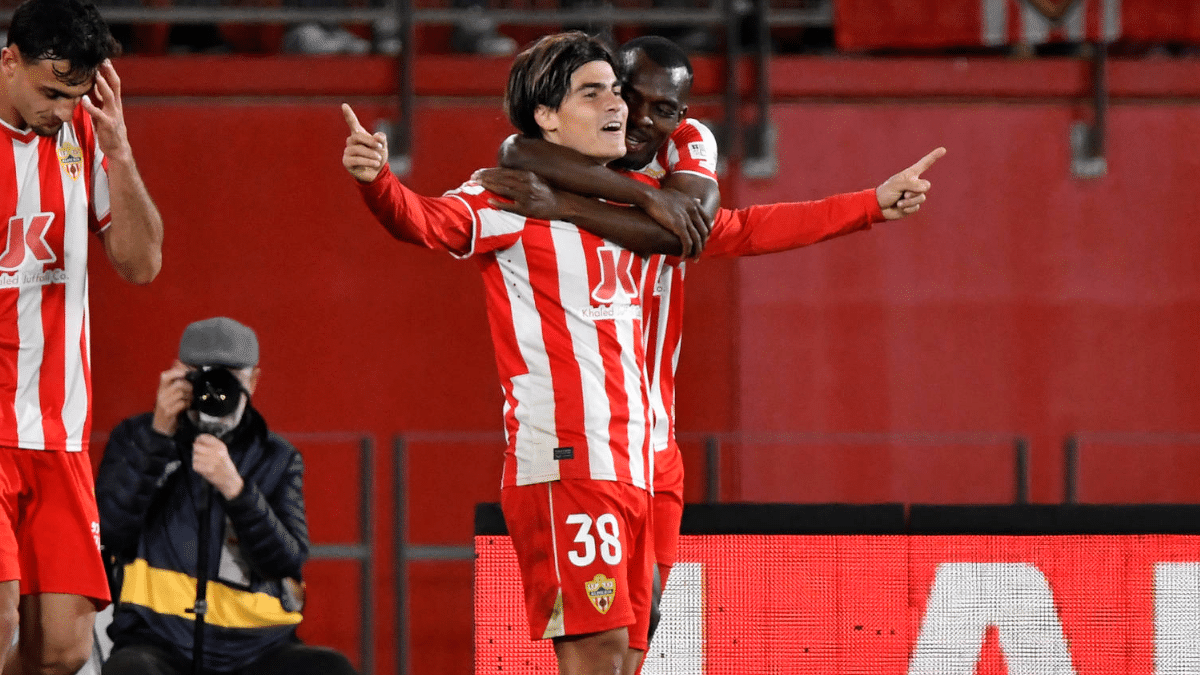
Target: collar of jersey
22	136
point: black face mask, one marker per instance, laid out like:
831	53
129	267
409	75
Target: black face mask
216	391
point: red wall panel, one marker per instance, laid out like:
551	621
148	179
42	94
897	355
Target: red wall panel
1019	300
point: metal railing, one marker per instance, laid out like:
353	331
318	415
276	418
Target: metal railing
1073	451
405	552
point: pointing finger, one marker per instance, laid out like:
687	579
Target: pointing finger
925	162
351	119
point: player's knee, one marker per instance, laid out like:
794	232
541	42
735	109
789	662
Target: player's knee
64	659
594	654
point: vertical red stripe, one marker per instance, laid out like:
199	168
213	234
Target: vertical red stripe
52	377
1016	31
542	261
508	353
10	338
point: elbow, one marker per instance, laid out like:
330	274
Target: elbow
141	272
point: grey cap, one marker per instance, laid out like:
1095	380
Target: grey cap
219	341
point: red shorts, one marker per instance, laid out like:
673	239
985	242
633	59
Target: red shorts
583	548
668	507
49	527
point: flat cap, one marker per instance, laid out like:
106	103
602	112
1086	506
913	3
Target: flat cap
219	341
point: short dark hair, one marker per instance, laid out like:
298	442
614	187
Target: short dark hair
63	30
659	50
541	75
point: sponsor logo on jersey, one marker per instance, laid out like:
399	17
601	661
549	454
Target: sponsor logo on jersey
601	590
698	150
616	276
71	158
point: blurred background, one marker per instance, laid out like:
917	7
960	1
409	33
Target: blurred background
1031	335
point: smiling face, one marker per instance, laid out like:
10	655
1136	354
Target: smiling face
591	117
34	95
657	98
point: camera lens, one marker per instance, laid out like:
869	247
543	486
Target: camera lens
215	391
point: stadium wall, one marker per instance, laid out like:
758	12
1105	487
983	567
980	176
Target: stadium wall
1021	300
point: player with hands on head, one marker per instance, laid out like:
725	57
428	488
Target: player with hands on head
68	171
204	431
665	147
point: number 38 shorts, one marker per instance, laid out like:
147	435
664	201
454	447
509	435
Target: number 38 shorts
585	551
49	527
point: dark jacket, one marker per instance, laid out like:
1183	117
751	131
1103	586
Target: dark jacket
148	498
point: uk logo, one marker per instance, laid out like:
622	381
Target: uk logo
27	235
616	276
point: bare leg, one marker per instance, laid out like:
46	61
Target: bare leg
595	654
10	596
633	661
56	635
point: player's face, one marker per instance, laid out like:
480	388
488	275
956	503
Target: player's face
657	99
34	95
591	119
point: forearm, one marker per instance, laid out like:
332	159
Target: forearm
627	227
568	170
770	228
133	240
410	217
130	476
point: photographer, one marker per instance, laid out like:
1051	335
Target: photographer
205	451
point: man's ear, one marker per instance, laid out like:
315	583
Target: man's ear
10	58
682	114
252	381
546	118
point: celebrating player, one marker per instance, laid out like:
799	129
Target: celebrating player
565	313
68	171
663	145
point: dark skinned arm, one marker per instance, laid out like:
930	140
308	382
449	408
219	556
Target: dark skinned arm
531	197
570	171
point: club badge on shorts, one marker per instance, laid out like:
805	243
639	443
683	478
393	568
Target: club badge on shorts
71	158
601	591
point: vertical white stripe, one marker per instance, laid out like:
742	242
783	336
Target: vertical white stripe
575	292
534	391
1112	20
75	247
1075	22
29	309
629	336
661	433
994	22
1035	27
99	183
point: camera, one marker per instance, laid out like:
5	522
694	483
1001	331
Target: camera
216	391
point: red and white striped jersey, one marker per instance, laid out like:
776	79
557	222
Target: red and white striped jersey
566	321
53	191
691	148
755	230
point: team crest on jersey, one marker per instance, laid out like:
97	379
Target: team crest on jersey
601	591
71	158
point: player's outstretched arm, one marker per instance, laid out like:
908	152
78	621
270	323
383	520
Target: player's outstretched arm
902	194
571	171
133	240
531	197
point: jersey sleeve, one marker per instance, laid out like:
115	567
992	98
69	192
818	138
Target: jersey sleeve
459	222
771	228
692	148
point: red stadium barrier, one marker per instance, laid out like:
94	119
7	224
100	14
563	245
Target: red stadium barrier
957	604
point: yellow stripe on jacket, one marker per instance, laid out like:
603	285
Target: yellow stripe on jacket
168	592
